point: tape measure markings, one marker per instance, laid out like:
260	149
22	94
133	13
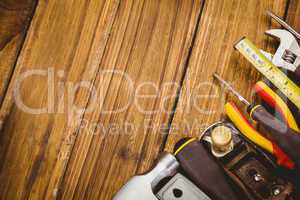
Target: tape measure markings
269	70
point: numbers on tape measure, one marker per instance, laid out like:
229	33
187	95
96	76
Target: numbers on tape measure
268	69
253	55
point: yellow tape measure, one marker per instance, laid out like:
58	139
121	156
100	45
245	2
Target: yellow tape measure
269	70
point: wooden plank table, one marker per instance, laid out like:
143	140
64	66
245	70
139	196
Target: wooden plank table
14	20
98	89
201	101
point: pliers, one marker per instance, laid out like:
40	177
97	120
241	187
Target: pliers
280	139
241	122
275	101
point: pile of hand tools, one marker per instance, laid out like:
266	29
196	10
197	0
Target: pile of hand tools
247	156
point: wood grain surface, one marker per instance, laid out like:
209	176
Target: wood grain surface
15	16
293	13
66	38
150	51
113	84
201	101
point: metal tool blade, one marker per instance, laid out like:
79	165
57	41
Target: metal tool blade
228	86
284	24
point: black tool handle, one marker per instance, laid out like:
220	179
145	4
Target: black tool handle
286	138
201	167
297	73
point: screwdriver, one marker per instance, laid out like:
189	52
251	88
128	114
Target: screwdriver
286	138
284	24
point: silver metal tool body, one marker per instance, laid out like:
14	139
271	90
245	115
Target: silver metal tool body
141	187
287	55
229	87
180	188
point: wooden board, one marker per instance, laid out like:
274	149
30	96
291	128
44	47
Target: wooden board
67	38
127	53
14	19
292	15
222	25
149	45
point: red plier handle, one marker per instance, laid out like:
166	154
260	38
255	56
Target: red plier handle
277	103
241	122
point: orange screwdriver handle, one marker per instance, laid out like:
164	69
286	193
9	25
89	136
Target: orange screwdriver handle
252	134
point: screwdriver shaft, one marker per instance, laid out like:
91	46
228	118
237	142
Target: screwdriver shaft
284	24
228	86
277	131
